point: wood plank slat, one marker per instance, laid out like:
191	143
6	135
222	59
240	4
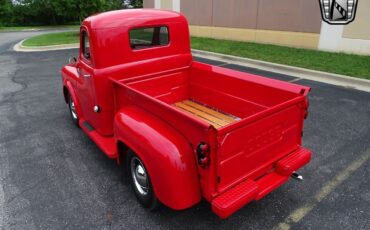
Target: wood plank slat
201	118
202	114
206	114
213	112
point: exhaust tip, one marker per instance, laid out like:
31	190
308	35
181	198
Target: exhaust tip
297	177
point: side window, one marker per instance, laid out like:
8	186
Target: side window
85	45
142	38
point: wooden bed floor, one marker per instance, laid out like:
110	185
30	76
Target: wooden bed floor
216	118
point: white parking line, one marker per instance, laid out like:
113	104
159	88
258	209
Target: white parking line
301	212
223	64
3	167
295	79
2	203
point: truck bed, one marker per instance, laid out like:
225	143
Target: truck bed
257	121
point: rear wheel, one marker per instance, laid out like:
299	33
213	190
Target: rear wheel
140	182
72	110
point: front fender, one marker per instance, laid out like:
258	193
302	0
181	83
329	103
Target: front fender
68	75
166	154
72	92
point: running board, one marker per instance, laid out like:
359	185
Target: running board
106	144
87	126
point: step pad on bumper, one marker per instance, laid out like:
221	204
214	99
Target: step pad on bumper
233	199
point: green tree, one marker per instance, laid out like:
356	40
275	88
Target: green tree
5	11
51	12
137	3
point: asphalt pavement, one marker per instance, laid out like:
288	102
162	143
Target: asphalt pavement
52	176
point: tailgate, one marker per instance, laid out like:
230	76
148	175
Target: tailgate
252	149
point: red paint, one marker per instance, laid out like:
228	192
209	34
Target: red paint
135	90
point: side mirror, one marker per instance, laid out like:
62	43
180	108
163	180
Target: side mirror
72	60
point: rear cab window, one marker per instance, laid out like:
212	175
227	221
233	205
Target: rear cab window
142	38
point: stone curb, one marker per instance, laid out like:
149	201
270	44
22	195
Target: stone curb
20	48
314	75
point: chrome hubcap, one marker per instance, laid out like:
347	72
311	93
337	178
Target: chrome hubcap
73	110
139	176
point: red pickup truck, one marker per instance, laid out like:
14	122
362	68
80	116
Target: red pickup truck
185	130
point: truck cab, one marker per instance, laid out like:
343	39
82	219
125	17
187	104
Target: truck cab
184	130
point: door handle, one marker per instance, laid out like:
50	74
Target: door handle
86	75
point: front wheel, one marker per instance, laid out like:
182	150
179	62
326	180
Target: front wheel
72	110
140	182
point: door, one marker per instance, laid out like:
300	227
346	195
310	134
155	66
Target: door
85	80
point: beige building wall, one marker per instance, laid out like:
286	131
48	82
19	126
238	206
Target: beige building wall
235	14
294	23
289	15
360	28
351	38
148	4
265	21
166	4
301	16
198	12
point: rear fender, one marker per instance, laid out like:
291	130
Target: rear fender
166	154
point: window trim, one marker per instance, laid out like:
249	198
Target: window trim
83	43
151	47
88	62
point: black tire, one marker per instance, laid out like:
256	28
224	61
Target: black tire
144	194
72	111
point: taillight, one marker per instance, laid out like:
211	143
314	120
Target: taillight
304	106
307	104
203	151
